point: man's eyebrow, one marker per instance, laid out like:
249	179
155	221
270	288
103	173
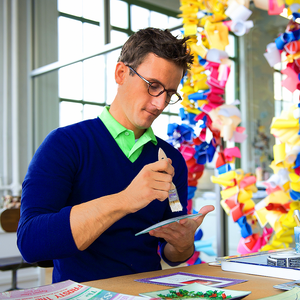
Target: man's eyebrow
156	80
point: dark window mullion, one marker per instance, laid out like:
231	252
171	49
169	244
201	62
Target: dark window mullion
81	102
81	19
128	31
106	25
129	17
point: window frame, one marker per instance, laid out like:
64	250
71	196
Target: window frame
108	28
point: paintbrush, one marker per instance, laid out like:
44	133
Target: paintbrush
173	196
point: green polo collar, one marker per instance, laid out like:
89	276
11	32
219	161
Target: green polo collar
125	138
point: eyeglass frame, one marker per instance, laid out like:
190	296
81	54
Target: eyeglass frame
161	92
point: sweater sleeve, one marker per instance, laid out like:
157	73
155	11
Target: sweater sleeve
44	231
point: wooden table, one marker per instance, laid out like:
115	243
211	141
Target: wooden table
260	286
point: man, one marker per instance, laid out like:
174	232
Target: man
92	186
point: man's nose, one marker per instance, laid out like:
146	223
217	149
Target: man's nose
160	102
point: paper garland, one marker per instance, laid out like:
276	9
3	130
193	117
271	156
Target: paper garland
204	111
283	187
287	44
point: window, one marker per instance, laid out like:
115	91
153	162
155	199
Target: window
85	87
86	63
283	98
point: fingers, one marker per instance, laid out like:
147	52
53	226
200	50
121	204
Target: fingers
161	175
169	232
163	166
153	182
161	180
181	237
204	211
183	226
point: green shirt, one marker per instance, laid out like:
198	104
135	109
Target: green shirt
124	137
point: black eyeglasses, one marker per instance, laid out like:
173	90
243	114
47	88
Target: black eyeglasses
155	89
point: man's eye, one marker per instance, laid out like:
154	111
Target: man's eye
156	86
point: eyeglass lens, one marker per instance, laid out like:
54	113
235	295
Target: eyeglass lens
156	89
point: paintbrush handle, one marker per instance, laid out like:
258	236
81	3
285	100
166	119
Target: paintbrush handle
173	196
162	156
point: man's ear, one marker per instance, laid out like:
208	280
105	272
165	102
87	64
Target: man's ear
120	72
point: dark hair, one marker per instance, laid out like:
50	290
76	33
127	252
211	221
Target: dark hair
160	42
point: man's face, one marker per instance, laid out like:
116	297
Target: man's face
136	109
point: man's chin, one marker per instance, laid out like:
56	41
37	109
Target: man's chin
145	125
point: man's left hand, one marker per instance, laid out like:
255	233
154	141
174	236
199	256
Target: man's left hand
180	236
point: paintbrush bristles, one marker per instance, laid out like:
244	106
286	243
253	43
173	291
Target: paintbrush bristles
174	199
175	205
174	202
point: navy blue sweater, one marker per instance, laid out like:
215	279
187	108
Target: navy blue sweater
76	164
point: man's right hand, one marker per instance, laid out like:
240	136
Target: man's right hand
90	219
153	182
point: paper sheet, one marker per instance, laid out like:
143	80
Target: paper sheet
169	221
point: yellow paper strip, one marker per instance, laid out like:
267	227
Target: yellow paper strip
279	153
272	217
261	216
295	186
220	181
225	194
244	195
225	207
281	124
294	177
228	175
199	49
278	197
202	102
190	29
248	205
